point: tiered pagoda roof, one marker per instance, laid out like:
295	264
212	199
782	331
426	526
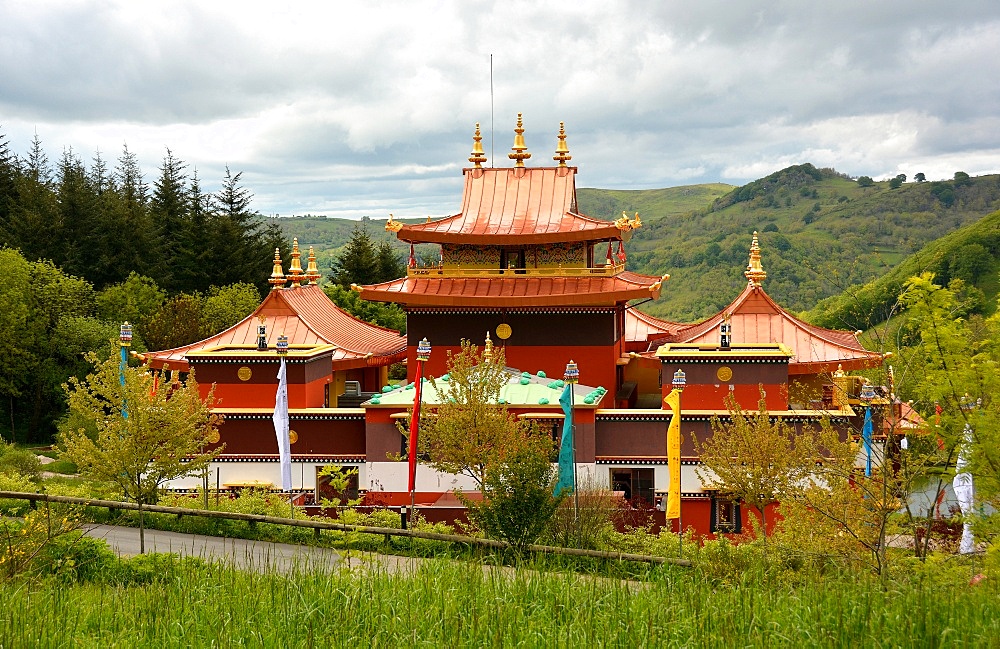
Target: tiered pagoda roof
306	316
526	209
756	318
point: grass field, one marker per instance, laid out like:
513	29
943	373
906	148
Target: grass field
459	605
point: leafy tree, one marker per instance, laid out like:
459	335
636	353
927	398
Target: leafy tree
962	178
897	182
177	322
919	177
865	181
144	437
757	458
383	314
470	432
225	306
518	499
135	300
15	318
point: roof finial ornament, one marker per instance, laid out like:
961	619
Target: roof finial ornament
520	149
277	273
477	157
295	268
312	270
393	226
562	150
755	273
488	349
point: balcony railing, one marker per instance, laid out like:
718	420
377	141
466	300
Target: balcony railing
546	271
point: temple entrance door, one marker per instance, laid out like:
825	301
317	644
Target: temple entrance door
512	259
633	483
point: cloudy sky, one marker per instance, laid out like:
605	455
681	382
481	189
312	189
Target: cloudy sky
348	109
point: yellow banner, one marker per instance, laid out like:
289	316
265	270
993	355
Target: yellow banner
674	454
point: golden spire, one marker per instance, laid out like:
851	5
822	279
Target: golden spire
295	268
488	349
312	270
520	149
562	151
478	157
755	272
277	275
393	226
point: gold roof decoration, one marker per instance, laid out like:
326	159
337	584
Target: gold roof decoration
562	150
626	226
478	157
520	149
295	268
488	349
312	270
393	226
755	273
277	273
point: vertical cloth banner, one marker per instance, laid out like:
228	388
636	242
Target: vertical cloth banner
281	428
866	435
965	492
566	482
673	508
414	424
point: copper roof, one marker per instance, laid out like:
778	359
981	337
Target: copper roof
756	318
308	317
514	206
641	328
515	291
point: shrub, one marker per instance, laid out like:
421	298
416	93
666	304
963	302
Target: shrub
20	461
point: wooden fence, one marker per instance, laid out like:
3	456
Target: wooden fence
317	526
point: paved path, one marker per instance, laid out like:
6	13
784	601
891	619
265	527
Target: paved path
245	554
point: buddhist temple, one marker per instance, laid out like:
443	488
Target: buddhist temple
519	266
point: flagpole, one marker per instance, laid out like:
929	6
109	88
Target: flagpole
571	377
124	342
673	508
423	355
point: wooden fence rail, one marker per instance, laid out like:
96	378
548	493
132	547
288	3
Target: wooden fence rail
331	525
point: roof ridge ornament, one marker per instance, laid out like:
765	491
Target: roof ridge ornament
755	273
520	149
277	273
312	270
393	226
478	157
295	268
562	150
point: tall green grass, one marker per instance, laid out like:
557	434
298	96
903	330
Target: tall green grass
459	605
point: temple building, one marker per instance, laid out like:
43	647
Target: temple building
519	266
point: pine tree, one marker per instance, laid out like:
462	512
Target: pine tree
389	265
129	222
357	263
78	246
9	172
239	242
35	215
169	208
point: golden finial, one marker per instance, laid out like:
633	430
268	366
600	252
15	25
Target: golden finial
755	272
478	157
488	349
520	149
277	274
295	268
312	270
562	151
393	226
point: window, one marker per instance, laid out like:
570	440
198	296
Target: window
725	515
633	483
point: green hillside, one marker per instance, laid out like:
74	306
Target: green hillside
649	203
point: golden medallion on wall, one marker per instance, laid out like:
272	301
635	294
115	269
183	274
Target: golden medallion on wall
244	373
213	437
292	437
724	373
503	331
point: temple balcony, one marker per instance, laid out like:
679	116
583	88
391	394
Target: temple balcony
546	271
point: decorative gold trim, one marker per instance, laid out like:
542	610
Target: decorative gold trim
393	226
520	149
755	272
478	157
